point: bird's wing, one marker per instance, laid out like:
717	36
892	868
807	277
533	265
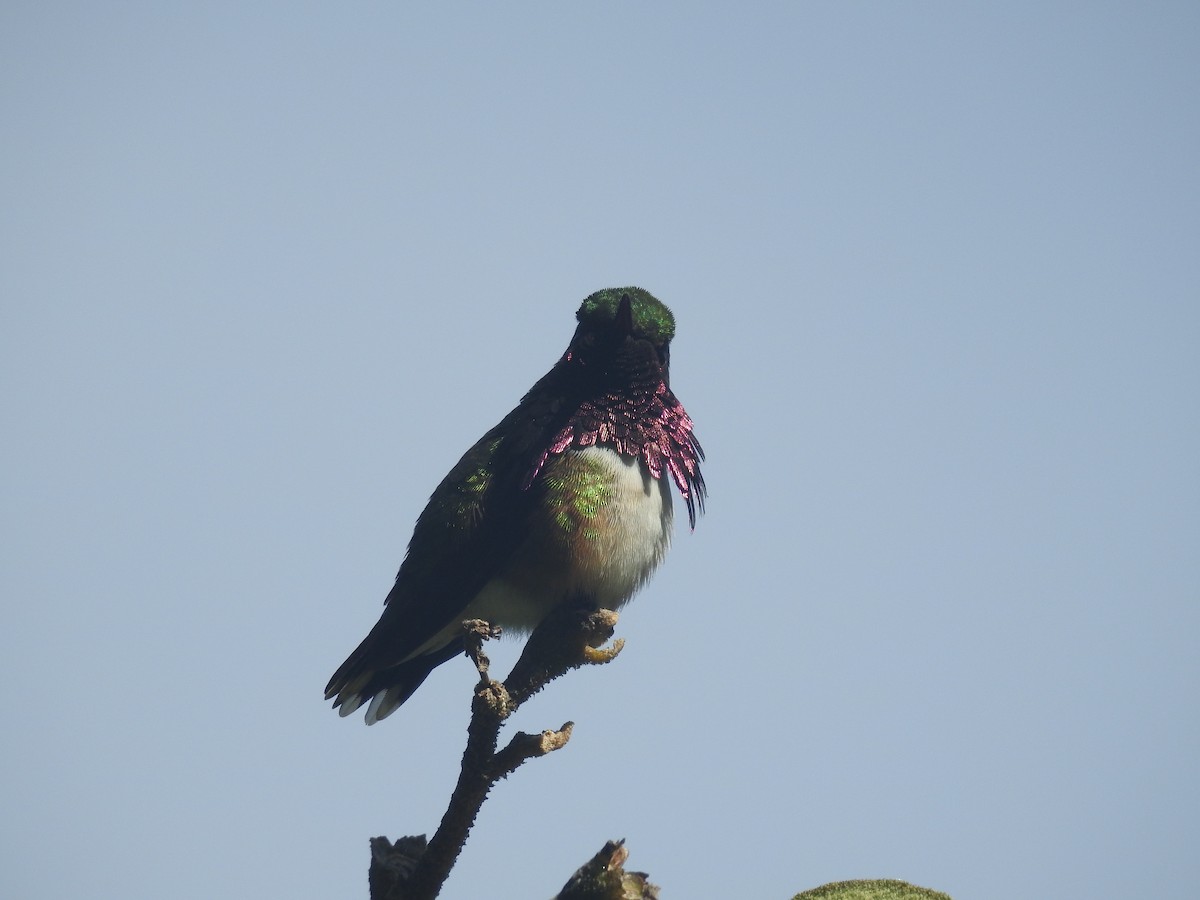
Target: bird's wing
473	524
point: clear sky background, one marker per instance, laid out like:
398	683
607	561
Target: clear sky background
268	269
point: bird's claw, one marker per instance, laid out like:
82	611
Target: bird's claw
598	656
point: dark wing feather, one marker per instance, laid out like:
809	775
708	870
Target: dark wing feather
471	527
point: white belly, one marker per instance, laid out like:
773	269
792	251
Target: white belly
629	539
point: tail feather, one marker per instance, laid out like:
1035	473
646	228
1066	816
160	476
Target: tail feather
385	690
385	703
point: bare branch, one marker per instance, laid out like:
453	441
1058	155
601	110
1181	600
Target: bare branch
569	638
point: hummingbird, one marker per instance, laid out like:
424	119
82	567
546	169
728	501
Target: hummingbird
566	497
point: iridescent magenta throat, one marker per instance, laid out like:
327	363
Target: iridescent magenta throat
649	424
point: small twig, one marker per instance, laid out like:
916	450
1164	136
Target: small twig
526	746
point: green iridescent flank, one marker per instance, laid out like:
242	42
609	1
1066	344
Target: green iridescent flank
651	318
577	490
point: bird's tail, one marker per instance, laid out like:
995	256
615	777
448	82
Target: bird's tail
385	689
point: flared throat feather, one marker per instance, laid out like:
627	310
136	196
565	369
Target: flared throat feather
645	421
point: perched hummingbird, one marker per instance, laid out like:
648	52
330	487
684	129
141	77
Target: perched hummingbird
566	497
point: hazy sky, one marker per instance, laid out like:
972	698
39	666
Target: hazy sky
268	269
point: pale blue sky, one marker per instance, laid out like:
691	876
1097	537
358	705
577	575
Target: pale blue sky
268	269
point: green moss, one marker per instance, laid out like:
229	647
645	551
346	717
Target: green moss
886	889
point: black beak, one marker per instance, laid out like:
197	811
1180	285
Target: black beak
624	320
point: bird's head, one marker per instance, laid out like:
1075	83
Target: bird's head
624	336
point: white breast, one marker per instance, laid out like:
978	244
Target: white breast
638	532
632	536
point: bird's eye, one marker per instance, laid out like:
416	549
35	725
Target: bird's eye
664	355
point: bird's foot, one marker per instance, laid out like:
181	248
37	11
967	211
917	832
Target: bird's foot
475	632
598	656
